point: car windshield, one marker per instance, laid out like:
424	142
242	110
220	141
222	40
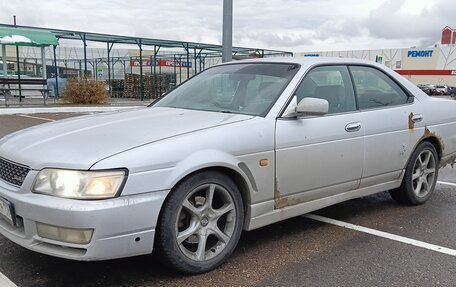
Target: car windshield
235	88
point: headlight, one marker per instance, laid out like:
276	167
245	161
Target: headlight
79	184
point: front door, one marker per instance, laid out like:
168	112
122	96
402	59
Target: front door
318	157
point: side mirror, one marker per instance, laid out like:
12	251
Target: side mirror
306	107
312	107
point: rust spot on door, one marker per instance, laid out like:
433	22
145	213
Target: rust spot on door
411	123
279	201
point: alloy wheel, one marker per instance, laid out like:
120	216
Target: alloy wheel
205	222
424	172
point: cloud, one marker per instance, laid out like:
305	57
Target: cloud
391	21
293	25
287	40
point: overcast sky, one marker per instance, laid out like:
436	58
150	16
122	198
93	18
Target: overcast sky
292	25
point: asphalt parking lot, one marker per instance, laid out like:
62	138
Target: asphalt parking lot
403	246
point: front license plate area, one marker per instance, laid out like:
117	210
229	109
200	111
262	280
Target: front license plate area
7	211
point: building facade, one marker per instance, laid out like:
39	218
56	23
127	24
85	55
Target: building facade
436	65
448	36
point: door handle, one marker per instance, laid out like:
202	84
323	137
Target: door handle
353	127
417	118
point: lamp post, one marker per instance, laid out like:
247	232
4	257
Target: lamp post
18	66
227	33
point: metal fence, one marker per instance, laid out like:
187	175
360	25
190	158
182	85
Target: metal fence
132	67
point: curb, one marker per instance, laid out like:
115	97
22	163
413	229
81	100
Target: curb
13	111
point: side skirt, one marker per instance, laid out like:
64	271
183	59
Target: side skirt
276	215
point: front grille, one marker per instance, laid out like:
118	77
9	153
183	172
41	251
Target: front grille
12	172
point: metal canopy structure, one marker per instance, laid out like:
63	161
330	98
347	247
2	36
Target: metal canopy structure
16	36
26	37
116	39
198	51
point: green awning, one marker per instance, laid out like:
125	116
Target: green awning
26	37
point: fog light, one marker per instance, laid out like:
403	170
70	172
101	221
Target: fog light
69	235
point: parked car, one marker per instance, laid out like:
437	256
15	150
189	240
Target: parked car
441	90
239	146
452	91
426	89
432	90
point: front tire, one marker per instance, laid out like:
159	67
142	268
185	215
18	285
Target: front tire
201	222
420	176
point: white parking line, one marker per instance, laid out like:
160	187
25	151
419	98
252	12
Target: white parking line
37	118
5	282
386	235
446	183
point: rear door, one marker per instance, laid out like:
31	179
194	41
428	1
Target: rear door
392	122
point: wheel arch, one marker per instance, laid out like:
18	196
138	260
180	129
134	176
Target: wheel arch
242	182
162	236
406	193
235	176
432	140
436	143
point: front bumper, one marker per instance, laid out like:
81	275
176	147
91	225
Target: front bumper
123	226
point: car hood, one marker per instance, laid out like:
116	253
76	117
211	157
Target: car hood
81	142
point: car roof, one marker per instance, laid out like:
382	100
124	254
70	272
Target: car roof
307	62
304	61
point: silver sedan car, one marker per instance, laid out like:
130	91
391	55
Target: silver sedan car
239	146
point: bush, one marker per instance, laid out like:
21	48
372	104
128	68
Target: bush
85	91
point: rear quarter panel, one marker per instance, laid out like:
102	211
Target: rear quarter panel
440	120
439	117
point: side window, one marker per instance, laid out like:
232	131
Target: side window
331	83
375	89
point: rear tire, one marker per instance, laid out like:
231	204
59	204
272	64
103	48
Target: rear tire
420	176
201	222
